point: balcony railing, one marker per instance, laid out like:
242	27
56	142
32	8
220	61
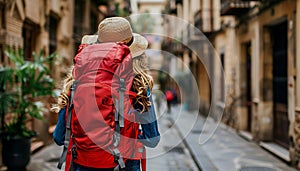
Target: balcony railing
234	7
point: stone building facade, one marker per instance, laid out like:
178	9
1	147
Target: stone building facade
263	63
257	44
36	25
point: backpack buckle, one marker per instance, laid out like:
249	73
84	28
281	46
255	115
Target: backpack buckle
122	84
118	158
74	152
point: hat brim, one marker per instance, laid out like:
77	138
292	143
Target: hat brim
137	48
89	39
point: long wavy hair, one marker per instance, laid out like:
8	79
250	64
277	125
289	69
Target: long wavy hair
63	98
141	82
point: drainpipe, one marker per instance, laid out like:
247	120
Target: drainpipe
297	108
298	55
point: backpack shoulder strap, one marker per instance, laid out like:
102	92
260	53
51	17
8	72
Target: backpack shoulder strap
68	127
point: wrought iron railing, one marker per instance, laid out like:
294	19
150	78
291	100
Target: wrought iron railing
234	7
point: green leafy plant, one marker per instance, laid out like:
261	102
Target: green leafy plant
6	97
30	81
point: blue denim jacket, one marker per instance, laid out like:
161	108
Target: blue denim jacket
60	129
150	136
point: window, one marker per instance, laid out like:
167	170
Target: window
78	20
29	33
53	34
2	17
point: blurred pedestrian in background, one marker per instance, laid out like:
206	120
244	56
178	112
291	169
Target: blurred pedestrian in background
169	97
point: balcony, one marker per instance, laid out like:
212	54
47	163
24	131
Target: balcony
234	7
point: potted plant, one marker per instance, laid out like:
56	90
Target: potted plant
30	81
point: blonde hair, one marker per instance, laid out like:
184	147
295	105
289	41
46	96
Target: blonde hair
63	98
141	82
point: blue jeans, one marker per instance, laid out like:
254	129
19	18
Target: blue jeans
131	165
77	167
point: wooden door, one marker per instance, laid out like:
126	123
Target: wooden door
281	122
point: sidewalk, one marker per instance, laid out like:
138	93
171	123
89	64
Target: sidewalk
225	150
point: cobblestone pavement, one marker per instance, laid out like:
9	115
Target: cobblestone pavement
46	159
171	154
225	150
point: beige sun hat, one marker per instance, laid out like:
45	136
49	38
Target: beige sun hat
117	29
138	46
114	29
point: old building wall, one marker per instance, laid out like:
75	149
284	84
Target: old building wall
296	133
65	41
273	16
244	50
225	67
256	32
204	88
32	12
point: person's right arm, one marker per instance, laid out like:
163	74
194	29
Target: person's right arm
150	136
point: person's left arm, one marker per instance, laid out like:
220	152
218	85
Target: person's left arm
60	129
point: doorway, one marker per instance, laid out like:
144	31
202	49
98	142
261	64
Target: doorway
280	100
248	97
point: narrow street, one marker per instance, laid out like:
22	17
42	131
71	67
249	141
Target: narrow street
179	148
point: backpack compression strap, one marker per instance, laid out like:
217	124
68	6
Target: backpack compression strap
119	123
68	127
121	91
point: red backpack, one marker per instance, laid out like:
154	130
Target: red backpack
104	131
